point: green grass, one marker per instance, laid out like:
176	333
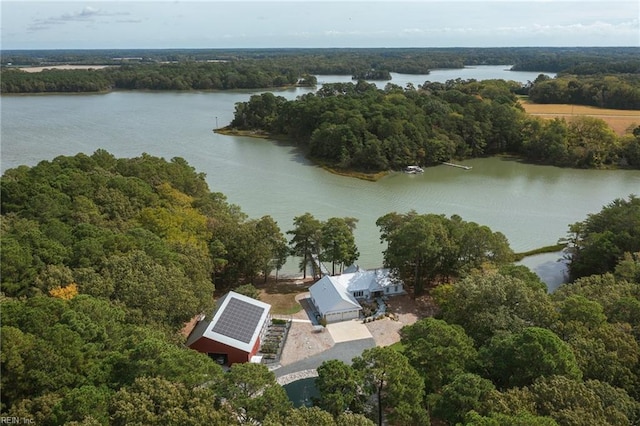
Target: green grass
398	346
546	249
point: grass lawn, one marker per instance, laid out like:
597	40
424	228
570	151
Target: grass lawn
282	295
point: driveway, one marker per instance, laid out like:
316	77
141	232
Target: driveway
344	351
346	331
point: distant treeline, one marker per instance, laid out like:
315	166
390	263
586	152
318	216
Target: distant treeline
621	91
402	60
607	78
359	127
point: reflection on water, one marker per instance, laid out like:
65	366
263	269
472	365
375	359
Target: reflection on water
301	392
550	267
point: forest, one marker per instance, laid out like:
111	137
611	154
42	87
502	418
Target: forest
356	126
223	69
104	259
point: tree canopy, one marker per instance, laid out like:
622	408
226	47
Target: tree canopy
600	242
425	249
104	259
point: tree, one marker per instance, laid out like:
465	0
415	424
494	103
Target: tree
438	351
423	248
339	387
351	419
629	267
519	358
153	356
472	418
338	242
609	353
489	303
274	245
578	313
252	393
397	387
83	404
248	290
620	407
591	142
599	242
305	240
303	416
156	401
152	291
567	401
605	289
477	244
415	248
314	416
465	393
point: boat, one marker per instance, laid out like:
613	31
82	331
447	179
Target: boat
413	169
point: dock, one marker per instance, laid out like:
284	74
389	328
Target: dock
460	166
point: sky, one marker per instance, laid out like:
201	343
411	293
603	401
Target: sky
162	24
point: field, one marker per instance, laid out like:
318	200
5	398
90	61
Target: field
619	120
63	67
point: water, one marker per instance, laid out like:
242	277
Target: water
483	72
532	205
301	392
550	267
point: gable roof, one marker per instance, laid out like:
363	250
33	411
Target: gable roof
359	279
331	296
237	322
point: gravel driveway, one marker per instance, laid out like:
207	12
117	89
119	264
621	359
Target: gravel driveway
306	348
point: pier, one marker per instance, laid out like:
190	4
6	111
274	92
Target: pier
460	166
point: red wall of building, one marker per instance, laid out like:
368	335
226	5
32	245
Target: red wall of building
234	355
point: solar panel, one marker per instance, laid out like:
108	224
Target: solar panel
238	320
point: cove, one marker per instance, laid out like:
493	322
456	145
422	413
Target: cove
532	205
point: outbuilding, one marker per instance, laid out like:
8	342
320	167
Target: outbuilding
233	332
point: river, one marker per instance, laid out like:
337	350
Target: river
532	205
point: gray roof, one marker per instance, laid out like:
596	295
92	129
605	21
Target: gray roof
236	322
365	279
331	296
335	294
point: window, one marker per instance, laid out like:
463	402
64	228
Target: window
358	293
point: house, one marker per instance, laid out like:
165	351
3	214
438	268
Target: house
333	301
234	331
336	297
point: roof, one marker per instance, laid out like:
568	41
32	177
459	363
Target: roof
335	293
362	279
331	296
356	281
237	322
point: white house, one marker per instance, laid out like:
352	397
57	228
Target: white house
336	298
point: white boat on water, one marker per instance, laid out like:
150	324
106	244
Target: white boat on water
413	169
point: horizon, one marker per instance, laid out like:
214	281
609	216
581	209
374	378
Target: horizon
318	48
426	24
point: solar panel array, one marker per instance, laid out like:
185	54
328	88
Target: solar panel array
238	320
